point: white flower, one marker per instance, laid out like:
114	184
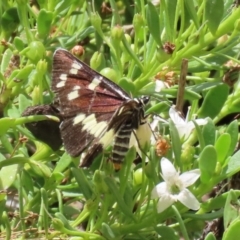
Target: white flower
175	187
159	85
183	126
156	2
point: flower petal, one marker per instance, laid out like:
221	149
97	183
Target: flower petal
156	120
190	177
159	85
159	190
184	127
188	129
164	202
174	115
168	170
201	121
188	199
183	130
155	2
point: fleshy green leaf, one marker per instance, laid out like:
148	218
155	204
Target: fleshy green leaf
214	101
166	233
19	43
231	209
209	133
27	181
233	164
44	21
10	20
107	231
233	231
82	182
232	129
6	59
222	146
170	18
127	85
176	143
153	22
24	102
210	236
121	203
158	108
190	8
213	14
63	163
5	124
207	163
8	175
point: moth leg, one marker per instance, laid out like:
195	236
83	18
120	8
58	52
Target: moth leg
144	119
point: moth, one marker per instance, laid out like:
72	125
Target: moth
96	112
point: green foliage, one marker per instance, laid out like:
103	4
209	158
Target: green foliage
212	104
135	44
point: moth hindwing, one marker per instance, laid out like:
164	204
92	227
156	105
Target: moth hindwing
96	112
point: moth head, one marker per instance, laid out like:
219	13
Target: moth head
144	100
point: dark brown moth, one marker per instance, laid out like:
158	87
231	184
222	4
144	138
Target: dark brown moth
96	112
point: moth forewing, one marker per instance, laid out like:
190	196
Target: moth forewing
95	110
